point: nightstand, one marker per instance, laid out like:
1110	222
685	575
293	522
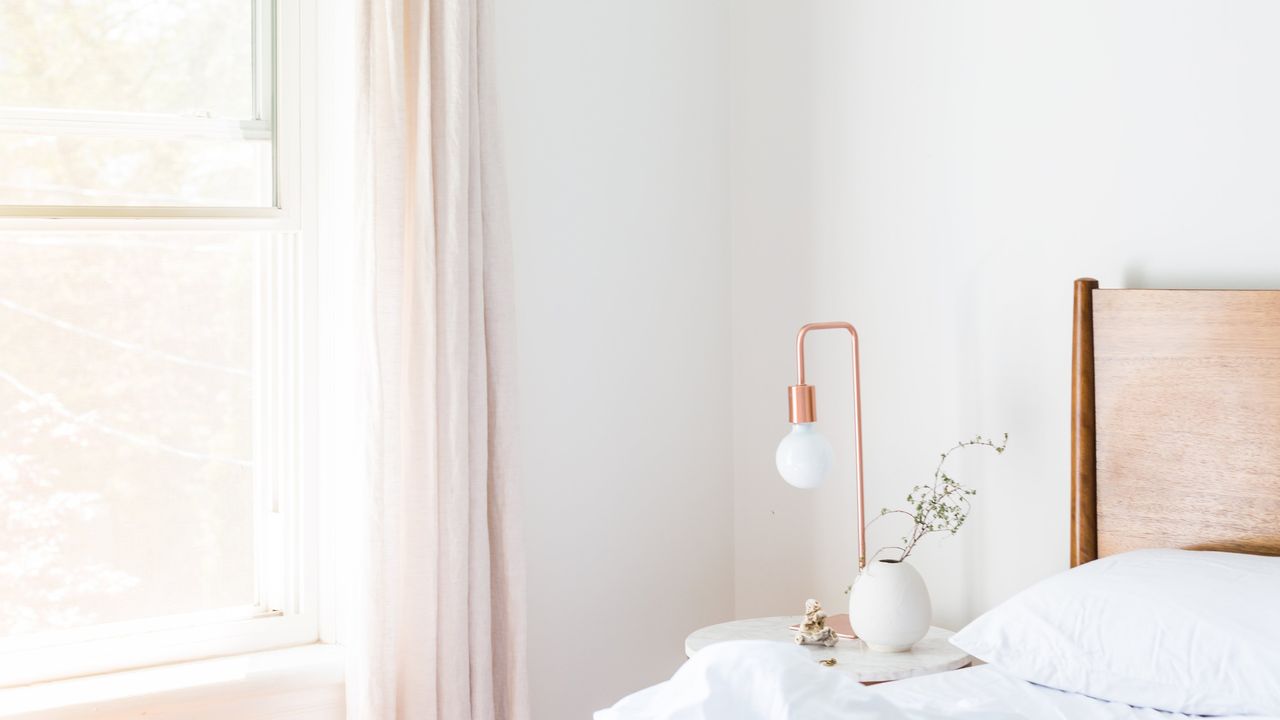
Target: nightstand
931	655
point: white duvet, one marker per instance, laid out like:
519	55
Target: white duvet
764	680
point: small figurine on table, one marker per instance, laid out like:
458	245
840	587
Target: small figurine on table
814	630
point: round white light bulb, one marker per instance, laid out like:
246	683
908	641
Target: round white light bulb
804	456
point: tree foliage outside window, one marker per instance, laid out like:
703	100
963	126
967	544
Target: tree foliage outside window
125	428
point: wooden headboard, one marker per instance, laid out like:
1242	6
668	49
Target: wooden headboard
1175	420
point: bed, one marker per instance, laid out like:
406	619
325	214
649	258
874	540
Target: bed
1175	447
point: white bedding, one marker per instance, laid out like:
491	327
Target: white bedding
761	680
1187	631
987	691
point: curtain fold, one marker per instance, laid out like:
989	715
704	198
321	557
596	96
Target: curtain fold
437	625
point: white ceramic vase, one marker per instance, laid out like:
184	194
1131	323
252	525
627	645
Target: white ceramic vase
889	606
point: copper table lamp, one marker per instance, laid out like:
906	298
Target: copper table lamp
804	456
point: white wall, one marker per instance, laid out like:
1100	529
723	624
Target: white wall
935	172
616	132
938	173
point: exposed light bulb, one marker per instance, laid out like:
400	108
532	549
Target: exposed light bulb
804	456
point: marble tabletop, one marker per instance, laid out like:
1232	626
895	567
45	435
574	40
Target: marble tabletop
932	654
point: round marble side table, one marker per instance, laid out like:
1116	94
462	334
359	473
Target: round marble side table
932	654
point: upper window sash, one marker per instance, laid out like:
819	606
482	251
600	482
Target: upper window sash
275	119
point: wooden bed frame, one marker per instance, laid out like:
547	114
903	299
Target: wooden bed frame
1175	420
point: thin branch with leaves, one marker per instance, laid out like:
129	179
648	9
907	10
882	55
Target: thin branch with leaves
941	506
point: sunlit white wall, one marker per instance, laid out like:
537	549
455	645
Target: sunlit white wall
616	130
938	173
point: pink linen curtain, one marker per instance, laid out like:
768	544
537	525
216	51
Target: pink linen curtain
438	624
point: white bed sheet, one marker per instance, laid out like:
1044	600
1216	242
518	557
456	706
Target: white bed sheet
986	690
763	680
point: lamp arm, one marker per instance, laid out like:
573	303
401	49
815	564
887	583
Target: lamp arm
802	406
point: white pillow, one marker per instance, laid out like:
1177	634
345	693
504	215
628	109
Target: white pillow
1176	630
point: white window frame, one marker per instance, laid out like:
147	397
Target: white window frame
290	564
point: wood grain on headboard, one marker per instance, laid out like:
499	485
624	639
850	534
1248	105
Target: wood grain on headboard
1175	421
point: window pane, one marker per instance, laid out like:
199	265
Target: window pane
126	386
187	57
105	170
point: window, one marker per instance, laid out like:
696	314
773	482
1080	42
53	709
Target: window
157	372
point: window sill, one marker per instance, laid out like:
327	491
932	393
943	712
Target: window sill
299	682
